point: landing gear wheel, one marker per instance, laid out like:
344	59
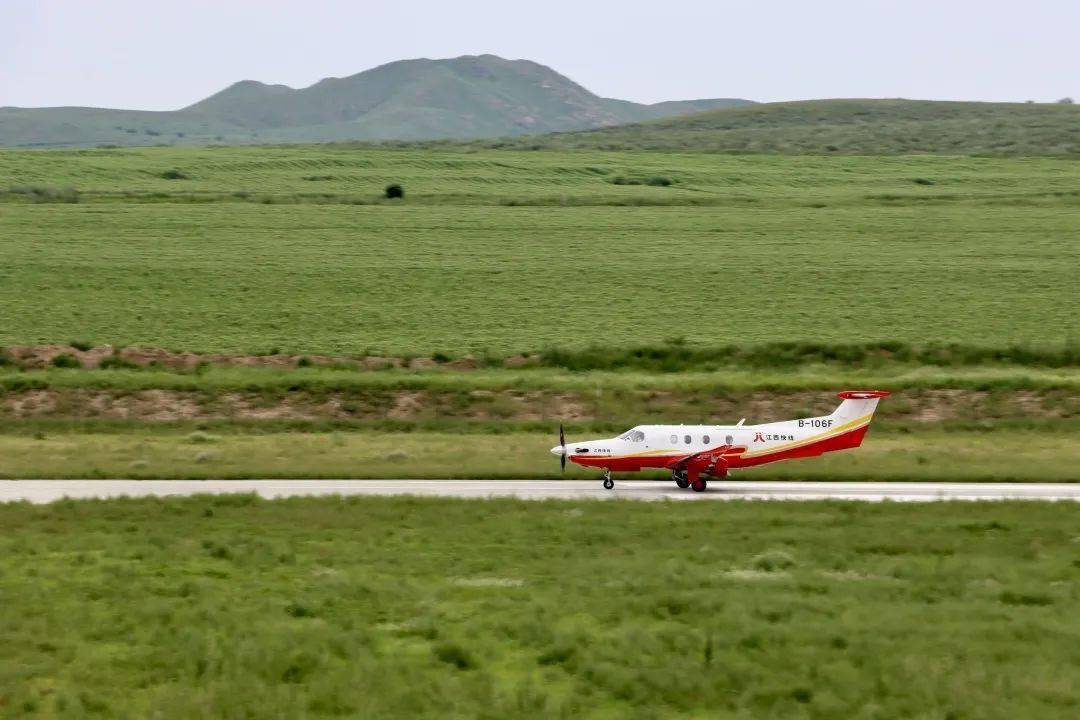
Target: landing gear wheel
681	481
608	482
699	485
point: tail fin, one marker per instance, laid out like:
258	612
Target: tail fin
857	404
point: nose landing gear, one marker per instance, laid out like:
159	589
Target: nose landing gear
608	482
679	476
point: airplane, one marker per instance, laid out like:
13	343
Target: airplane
694	453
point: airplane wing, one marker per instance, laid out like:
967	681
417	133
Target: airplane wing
703	457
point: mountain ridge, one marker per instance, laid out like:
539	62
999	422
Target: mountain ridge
471	96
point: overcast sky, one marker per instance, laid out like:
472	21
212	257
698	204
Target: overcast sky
165	54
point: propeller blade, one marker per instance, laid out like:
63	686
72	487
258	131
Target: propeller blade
562	443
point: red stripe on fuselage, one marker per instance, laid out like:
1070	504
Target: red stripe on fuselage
842	441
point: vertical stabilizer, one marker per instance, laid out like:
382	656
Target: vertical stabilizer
857	404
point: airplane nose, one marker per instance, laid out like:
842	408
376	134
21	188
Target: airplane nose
557	450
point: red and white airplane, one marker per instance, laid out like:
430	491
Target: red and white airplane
694	452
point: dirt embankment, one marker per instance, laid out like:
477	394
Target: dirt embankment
927	406
34	357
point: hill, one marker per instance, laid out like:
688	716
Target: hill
864	127
464	97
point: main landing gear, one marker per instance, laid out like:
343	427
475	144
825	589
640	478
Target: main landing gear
690	479
608	482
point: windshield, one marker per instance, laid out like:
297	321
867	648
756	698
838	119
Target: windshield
633	436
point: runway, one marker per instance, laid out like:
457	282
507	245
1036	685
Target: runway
45	491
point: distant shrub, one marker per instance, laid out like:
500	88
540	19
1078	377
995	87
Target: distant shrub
81	345
1065	101
297	610
454	654
115	362
394	191
179	134
150	132
655	181
316	178
304	362
923	181
174	174
201	438
1015	598
42	194
215	550
130	131
66	360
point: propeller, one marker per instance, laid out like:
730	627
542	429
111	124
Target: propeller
562	444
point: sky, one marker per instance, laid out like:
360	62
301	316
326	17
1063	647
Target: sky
164	54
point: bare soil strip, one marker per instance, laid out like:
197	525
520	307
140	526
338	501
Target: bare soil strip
158	405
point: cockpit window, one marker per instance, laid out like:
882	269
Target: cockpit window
633	436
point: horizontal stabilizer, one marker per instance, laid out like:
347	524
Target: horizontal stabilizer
862	394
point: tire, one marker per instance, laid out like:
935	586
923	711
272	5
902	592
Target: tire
609	483
699	485
682	482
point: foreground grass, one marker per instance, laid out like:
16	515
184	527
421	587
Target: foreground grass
751	250
1011	454
232	607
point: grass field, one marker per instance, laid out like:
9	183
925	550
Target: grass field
737	250
231	607
1045	454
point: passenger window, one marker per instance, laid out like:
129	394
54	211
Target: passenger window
687	439
729	440
705	439
674	439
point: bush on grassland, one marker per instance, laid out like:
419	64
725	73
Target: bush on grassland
66	360
394	191
42	194
115	362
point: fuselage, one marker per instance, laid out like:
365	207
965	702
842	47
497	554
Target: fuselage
714	449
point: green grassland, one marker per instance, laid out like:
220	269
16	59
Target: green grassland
828	127
247	254
1023	454
232	607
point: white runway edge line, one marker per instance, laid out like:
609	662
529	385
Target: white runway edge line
44	491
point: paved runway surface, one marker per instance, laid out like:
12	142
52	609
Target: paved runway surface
43	491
